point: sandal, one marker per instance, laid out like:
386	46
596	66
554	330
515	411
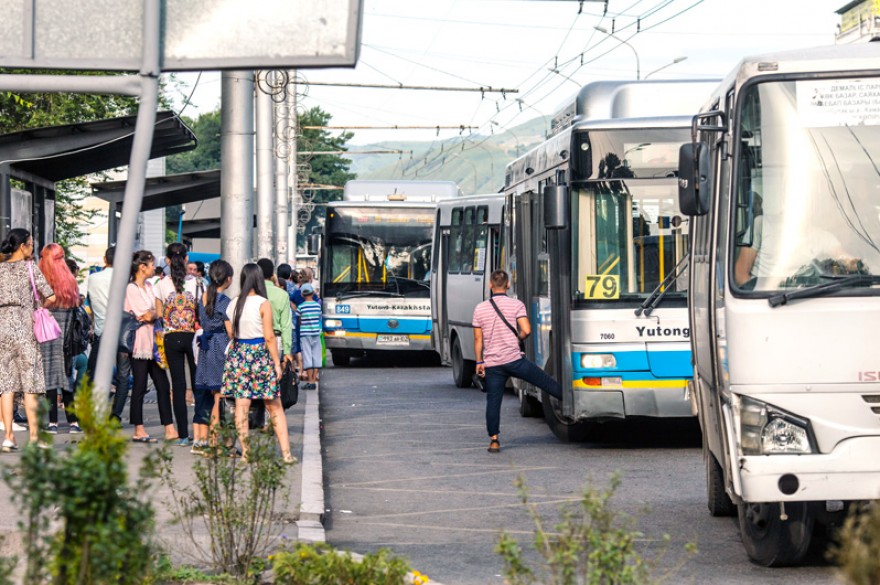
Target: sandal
494	445
145	439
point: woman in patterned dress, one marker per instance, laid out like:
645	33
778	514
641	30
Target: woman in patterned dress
21	369
62	281
212	355
252	368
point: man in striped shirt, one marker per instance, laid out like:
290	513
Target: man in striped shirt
498	351
310	335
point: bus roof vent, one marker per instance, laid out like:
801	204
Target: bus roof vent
396	197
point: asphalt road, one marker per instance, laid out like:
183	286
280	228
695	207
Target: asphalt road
406	468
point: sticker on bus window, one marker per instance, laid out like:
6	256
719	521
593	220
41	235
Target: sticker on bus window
838	102
602	287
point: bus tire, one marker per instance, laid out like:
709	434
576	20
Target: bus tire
462	370
565	430
771	541
339	358
720	503
529	406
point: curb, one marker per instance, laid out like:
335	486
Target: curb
310	524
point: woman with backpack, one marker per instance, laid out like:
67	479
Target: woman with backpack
212	355
56	365
178	296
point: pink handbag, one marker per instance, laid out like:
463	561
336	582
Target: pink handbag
46	328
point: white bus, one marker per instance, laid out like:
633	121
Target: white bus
375	267
784	294
597	255
469	244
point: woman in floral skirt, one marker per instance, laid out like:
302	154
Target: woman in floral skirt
252	368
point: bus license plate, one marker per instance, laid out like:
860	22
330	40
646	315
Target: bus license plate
392	340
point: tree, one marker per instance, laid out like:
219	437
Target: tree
331	169
25	111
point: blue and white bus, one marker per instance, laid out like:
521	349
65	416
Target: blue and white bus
598	253
375	267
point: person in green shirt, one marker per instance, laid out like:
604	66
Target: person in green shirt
282	323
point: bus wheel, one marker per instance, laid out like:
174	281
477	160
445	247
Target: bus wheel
564	429
340	359
462	369
529	406
719	502
771	541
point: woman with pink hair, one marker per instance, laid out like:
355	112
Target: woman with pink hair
55	369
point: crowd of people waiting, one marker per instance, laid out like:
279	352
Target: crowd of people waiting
176	318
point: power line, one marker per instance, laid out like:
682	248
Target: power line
481	89
461	127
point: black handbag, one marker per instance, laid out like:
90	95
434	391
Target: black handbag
288	386
127	331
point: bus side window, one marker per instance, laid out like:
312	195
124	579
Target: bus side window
455	240
466	260
481	239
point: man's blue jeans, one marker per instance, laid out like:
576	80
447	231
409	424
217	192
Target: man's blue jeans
496	379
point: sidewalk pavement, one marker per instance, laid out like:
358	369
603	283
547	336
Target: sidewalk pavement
302	516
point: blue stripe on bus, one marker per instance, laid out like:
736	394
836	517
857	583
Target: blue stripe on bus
659	364
380	325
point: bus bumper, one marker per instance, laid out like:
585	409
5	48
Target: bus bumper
850	472
377	342
653	402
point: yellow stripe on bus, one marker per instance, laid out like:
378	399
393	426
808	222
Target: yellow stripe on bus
579	384
373	335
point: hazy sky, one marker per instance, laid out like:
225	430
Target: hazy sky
517	44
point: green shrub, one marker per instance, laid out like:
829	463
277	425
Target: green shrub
858	551
319	564
592	544
83	523
233	502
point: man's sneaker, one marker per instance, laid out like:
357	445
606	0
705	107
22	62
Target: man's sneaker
52	429
184	442
16	417
74	429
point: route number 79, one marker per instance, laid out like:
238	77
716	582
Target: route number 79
602	287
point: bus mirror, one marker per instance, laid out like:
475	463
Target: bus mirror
556	207
314	244
693	179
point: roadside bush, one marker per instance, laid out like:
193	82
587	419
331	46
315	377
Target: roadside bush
858	548
233	502
82	523
319	564
591	544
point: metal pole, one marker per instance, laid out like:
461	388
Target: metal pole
265	169
282	197
134	195
237	170
294	159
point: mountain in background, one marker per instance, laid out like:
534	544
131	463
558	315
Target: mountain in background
476	162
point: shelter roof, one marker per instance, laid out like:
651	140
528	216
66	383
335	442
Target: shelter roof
167	190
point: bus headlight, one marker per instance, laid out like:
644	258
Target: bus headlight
332	323
592	361
767	430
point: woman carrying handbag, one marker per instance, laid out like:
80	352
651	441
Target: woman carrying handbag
22	287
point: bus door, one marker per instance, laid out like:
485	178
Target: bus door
542	313
441	295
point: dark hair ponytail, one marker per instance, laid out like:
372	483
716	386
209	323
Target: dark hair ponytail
251	280
176	254
219	272
14	240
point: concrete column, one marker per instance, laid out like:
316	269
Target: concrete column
294	159
237	166
282	193
265	169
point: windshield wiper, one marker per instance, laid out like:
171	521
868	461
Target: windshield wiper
366	293
825	288
657	295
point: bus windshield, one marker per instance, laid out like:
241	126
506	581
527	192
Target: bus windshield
627	237
382	250
807	189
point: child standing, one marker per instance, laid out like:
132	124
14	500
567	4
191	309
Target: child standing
309	312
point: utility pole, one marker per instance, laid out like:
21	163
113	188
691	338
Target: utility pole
282	197
293	169
265	168
237	166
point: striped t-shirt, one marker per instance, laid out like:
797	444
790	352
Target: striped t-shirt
310	319
500	345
